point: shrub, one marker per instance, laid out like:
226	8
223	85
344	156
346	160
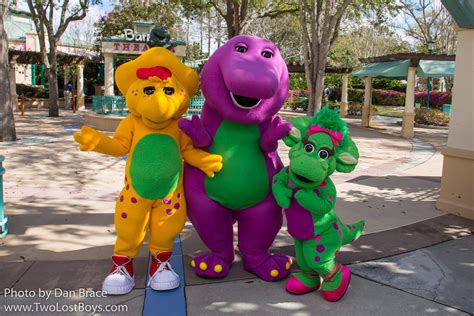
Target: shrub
437	98
32	91
297	99
332	81
388	97
332	105
389	84
355	109
431	117
356	95
297	81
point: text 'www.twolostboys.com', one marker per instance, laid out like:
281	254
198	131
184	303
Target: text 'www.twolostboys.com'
57	301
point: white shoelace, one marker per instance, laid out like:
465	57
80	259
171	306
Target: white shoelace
164	265
120	269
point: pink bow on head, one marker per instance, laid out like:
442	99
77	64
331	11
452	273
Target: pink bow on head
335	136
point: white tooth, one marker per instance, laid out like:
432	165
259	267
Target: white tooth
243	107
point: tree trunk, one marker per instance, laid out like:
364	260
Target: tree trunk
318	87
201	32
209	32
449	84
219	22
53	83
6	106
230	28
315	91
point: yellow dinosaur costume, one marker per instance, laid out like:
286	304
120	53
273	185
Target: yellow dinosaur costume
157	88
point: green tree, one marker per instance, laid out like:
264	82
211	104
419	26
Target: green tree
320	23
238	15
50	30
125	13
284	30
427	19
194	52
8	132
351	45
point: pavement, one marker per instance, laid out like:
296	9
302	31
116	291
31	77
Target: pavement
413	259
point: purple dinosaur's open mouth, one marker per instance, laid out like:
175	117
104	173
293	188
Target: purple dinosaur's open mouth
244	102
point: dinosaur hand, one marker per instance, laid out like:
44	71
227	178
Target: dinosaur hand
211	164
282	195
88	138
277	130
309	200
196	131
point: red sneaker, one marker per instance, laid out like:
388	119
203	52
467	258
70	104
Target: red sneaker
120	280
162	275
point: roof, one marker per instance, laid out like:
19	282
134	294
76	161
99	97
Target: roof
391	69
142	22
462	12
29	57
298	66
17	23
396	66
414	58
435	68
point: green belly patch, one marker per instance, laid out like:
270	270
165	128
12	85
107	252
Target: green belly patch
155	167
243	180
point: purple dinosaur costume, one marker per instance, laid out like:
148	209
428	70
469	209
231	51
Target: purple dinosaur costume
245	83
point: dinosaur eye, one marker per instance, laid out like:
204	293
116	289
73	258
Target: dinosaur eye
323	154
267	54
149	90
168	90
309	148
240	48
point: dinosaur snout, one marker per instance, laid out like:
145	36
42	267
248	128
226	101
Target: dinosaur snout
246	77
307	171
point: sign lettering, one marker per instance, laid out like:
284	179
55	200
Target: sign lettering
131	36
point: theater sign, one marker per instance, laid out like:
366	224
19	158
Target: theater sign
134	48
133	43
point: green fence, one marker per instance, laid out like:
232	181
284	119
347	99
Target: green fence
195	106
114	105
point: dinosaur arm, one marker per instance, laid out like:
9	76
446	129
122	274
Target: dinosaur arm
206	162
276	131
92	140
195	130
281	192
318	204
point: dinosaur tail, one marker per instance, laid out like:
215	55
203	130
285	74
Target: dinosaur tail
350	232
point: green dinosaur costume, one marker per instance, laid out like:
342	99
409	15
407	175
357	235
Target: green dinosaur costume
319	146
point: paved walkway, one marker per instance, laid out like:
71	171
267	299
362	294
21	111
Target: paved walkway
60	203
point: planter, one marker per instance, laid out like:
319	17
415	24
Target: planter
38	103
102	122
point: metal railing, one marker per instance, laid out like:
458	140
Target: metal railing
195	106
3	217
106	104
115	105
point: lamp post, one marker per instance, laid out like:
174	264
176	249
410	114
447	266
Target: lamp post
3	217
430	43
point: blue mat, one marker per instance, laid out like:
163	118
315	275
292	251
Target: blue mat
168	302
